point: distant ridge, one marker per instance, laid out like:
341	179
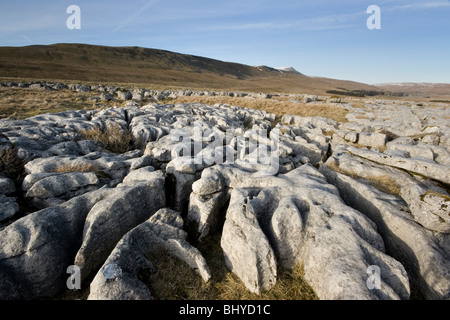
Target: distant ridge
288	69
82	62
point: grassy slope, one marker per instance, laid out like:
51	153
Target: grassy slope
153	67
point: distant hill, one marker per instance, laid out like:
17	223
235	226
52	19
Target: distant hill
418	89
81	62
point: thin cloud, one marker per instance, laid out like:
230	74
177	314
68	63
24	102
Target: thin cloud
27	39
422	5
134	15
309	24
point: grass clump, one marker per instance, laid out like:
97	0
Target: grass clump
82	167
78	167
113	138
11	165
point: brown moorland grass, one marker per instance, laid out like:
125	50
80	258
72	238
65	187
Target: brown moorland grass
24	103
277	105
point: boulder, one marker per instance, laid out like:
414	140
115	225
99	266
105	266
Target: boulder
374	140
127	206
75	148
115	166
7	185
124	95
246	249
59	184
36	250
142	174
205	212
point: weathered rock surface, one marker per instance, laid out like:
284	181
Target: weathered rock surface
57	185
424	254
36	250
428	207
247	251
7	186
298	218
127	206
428	168
8	207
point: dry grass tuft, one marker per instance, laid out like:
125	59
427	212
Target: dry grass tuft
11	165
290	286
174	280
114	138
77	167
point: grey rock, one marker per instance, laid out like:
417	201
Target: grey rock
311	98
124	95
59	184
351	136
246	249
428	207
75	148
36	250
211	182
424	256
106	97
321	239
180	185
8	207
7	186
142	174
137	95
372	139
117	166
125	208
205	212
429	169
83	88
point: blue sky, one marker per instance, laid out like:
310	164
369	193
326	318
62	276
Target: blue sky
318	38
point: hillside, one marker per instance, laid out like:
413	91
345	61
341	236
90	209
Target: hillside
435	90
80	62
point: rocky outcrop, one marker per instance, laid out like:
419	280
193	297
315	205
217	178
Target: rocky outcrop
424	253
298	218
